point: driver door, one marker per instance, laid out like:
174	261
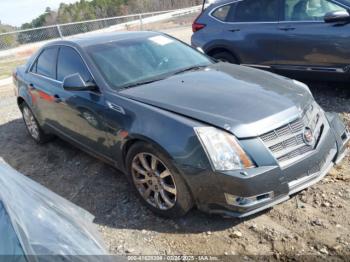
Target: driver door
307	43
81	113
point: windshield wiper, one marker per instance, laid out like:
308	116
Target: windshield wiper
191	68
141	83
158	79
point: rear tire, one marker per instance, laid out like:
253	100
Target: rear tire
32	125
156	181
225	56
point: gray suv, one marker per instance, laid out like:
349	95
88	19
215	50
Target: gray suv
298	38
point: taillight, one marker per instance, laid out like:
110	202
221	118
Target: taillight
197	26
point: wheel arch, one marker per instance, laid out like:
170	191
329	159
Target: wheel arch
27	99
214	49
24	96
134	139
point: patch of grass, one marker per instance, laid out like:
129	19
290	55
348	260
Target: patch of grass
8	65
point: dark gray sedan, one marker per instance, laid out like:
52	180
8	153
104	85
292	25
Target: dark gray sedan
186	131
307	39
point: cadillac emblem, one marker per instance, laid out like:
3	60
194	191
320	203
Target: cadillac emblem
308	136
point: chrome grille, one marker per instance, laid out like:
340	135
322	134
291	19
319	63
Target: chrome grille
292	128
298	152
287	142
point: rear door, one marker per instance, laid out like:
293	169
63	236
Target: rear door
43	85
306	42
250	29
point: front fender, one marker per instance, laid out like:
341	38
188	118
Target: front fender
173	134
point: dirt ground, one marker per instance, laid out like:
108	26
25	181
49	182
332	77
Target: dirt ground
314	222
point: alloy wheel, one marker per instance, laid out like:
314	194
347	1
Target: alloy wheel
154	181
30	122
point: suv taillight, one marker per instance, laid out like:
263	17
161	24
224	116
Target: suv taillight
197	26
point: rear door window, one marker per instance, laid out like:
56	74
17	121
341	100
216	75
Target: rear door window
45	65
254	11
70	62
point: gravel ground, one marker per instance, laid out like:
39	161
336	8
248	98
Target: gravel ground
314	222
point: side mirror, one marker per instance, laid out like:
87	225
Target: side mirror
76	83
337	16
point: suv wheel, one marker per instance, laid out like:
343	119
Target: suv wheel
156	181
32	125
225	57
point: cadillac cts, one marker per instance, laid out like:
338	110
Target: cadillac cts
186	130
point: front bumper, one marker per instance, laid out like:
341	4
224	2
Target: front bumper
271	185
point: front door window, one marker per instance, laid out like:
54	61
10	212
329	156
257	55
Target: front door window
309	10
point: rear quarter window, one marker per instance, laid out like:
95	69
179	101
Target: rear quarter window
222	12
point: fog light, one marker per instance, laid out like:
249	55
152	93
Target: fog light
247	201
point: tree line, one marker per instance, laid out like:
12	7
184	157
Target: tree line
94	9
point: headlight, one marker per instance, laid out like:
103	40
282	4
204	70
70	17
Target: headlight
223	149
301	84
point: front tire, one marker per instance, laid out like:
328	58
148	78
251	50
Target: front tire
157	182
32	125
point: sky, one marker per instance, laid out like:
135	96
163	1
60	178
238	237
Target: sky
18	12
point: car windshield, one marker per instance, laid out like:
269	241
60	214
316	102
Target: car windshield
128	63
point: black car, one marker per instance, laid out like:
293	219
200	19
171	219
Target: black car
306	39
186	131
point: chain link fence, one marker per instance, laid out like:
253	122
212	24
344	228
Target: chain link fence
17	46
145	21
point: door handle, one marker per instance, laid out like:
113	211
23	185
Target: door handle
234	30
286	28
31	87
57	99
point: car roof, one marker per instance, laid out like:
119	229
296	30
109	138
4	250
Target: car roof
215	3
101	38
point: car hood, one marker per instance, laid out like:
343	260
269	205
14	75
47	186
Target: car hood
245	101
